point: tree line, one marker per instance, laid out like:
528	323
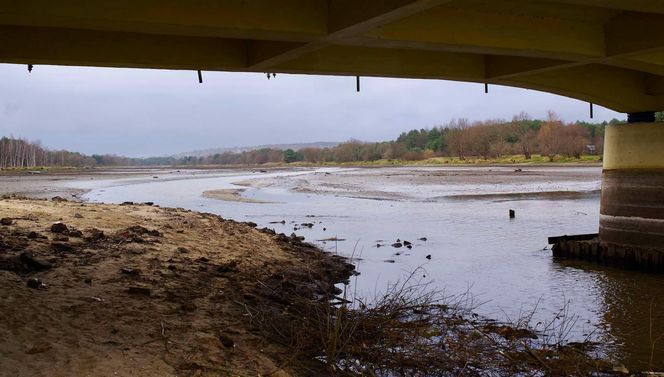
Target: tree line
459	138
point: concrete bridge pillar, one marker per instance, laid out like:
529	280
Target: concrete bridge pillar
632	204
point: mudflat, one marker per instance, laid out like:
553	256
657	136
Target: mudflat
134	289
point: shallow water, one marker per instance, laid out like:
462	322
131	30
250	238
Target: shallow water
505	264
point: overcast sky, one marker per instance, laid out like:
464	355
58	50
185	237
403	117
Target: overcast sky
155	112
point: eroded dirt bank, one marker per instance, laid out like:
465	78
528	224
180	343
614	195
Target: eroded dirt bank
127	290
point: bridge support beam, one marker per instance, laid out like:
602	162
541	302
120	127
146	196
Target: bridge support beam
632	203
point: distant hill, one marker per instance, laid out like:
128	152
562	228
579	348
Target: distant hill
294	146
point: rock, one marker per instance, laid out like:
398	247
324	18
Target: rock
512	214
6	221
183	250
35	283
75	233
148	203
251	224
35	235
78	216
424	239
397	245
96	235
129	271
409	246
188	306
127	204
88	281
136	290
389	261
307	225
226	341
34	263
58	199
406	243
227	267
61	246
59	228
39	348
428	256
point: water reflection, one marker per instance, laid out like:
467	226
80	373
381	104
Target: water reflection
631	305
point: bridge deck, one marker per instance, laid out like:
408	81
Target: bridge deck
610	52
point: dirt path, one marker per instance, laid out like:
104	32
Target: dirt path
140	290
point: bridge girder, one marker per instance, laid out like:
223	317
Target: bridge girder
607	52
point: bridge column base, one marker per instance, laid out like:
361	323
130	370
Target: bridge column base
632	203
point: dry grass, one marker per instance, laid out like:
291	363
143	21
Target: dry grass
412	330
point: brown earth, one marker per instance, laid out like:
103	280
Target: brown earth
129	290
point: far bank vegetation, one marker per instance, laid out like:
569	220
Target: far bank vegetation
521	139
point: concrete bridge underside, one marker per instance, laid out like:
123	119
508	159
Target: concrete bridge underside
608	52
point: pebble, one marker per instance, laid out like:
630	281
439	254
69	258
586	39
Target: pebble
135	290
6	221
59	228
226	341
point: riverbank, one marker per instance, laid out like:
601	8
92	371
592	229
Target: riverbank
96	289
134	289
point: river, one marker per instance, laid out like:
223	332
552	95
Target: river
472	247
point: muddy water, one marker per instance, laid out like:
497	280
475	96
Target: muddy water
474	247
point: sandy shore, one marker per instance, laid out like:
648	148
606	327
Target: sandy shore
230	195
426	183
139	290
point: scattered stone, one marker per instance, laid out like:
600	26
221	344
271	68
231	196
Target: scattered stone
34	263
409	246
296	238
61	247
518	170
75	233
283	222
251	224
136	290
88	281
35	235
39	348
61	239
35	283
96	235
423	239
397	244
406	243
127	204
183	250
428	256
6	221
129	271
137	229
59	228
227	267
389	261
148	203
226	341
188	306
172	267
58	199
78	216
307	225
